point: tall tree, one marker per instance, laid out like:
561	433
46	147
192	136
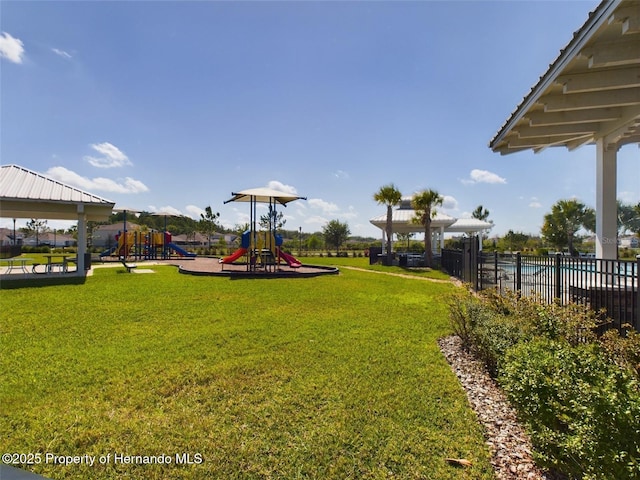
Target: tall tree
480	213
628	218
272	220
335	234
35	227
208	223
424	204
563	222
390	196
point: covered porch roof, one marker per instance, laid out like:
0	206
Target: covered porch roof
589	95
28	194
590	92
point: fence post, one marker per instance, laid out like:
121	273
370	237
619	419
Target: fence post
637	283
518	272
495	268
558	279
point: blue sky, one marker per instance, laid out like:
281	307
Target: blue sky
161	105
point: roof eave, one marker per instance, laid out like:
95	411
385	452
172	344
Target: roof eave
599	16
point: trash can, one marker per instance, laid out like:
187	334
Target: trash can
374	254
403	260
87	261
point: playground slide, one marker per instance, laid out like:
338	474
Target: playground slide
234	256
108	252
180	251
292	261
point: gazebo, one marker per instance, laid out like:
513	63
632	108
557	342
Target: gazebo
28	194
403	222
589	95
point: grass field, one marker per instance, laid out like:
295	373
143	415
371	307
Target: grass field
331	377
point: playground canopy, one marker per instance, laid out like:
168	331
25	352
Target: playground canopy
264	195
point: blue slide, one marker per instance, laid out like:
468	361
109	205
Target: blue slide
108	252
180	251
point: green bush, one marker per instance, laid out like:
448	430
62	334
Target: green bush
582	410
578	393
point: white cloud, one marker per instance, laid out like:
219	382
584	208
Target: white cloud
194	211
341	174
316	220
482	176
326	207
61	53
534	203
128	185
11	48
281	187
628	197
111	156
449	202
168	210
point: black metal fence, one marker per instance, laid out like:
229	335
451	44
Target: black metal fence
612	285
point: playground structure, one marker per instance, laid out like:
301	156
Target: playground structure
145	246
264	253
262	249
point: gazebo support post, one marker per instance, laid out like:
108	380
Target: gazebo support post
606	204
82	240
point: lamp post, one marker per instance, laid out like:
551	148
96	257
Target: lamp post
14	231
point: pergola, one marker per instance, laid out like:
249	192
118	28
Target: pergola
28	194
589	95
403	222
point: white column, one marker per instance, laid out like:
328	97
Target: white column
82	239
606	206
441	238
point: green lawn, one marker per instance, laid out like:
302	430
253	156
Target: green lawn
328	377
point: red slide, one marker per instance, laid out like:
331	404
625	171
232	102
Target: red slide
234	256
292	261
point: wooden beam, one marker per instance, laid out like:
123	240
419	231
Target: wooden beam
558	130
601	80
608	54
574	116
588	100
628	17
535	142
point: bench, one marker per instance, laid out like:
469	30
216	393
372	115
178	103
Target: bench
128	266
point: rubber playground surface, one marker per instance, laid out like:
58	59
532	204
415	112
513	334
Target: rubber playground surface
212	266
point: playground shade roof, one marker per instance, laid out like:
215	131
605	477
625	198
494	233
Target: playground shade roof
264	195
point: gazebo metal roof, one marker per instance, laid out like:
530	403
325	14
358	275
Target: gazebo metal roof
28	194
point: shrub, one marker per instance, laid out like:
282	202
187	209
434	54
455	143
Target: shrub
582	410
464	310
623	351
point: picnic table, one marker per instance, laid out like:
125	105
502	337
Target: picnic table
16	263
62	263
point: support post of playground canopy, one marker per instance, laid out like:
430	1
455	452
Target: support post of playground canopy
124	211
262	195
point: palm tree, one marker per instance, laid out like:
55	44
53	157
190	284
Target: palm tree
390	196
565	219
423	203
480	213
